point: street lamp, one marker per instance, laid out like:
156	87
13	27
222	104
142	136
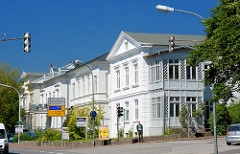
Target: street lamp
166	9
93	118
18	109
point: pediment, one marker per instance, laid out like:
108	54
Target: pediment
124	44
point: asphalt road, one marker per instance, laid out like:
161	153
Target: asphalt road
191	146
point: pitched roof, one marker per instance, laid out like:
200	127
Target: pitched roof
162	39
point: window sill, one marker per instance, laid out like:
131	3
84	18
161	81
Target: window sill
125	88
134	86
117	90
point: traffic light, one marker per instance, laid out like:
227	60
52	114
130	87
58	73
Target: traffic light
171	44
27	42
119	111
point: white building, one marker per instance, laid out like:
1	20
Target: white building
89	80
138	74
151	83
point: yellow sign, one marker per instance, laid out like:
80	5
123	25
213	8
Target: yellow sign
56	110
103	133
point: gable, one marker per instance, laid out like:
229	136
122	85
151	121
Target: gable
124	44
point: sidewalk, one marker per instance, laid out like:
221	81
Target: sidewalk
44	147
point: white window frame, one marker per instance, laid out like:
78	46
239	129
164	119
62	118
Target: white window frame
136	73
191	73
175	73
127	112
175	101
192	105
136	109
118	79
156	107
126	76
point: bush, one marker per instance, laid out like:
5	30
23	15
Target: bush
121	133
234	112
183	116
50	135
23	137
169	131
222	119
130	133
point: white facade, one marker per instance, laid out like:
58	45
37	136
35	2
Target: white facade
162	85
138	74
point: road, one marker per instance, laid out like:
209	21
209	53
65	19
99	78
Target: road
192	146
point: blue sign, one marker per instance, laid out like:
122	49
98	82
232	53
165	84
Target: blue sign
55	107
93	114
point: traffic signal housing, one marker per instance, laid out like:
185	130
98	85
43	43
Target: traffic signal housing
171	44
27	42
119	111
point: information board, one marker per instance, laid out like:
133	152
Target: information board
56	110
103	133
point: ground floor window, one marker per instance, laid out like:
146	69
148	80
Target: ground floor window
192	105
156	107
174	106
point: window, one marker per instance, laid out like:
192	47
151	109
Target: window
174	106
155	72
135	73
89	84
83	86
73	87
126	76
173	69
156	107
118	79
127	111
95	83
192	104
191	73
136	109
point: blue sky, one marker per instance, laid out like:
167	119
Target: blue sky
66	30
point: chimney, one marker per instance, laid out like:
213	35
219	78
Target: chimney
51	66
70	62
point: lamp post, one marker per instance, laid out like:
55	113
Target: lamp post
18	109
93	118
166	9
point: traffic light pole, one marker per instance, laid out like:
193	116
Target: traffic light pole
118	128
12	39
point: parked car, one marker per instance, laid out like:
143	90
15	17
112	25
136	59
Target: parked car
10	133
30	133
233	134
3	139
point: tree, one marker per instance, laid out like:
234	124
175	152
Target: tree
8	97
234	112
75	132
184	116
222	48
222	119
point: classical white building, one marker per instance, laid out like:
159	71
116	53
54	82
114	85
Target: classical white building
139	74
151	83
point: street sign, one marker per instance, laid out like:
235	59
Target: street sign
56	110
93	114
81	121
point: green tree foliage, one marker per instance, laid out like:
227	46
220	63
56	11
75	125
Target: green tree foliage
234	112
50	135
222	119
222	48
76	133
8	96
183	116
198	115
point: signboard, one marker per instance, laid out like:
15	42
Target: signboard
18	129
56	107
103	133
56	110
81	121
56	101
65	135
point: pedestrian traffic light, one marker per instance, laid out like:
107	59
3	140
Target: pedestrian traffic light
119	111
27	42
171	44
